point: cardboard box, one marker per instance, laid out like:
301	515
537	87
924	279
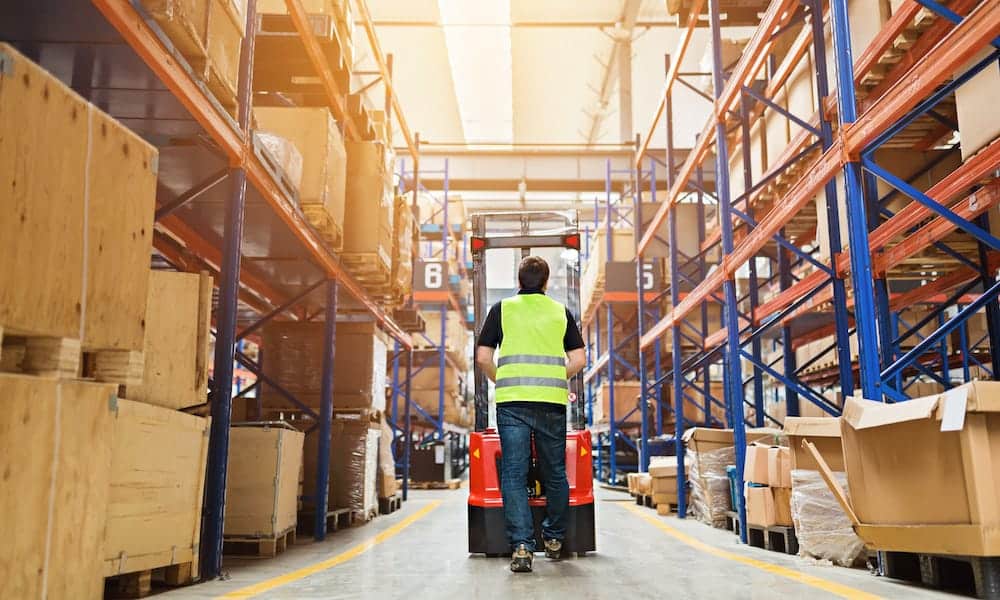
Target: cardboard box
759	506
386	464
630	480
922	474
369	204
667	498
782	505
324	162
755	467
823	432
779	467
353	465
262	481
978	127
293	357
644	485
55	453
154	507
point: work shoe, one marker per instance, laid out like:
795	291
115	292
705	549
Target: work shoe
553	549
520	560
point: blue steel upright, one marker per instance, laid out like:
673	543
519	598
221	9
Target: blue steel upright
325	424
734	371
640	316
857	220
225	341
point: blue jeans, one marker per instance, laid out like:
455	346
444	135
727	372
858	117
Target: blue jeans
516	425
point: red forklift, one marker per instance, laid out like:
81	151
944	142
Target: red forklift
523	232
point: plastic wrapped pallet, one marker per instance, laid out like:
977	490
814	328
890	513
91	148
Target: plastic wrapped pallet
402	249
386	464
354	464
285	153
823	529
710	484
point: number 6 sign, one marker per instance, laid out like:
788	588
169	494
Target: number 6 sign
431	276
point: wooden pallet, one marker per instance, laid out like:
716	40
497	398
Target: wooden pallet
281	63
977	575
65	359
140	583
647	501
451	484
371	271
387	506
775	538
328	229
341	518
266	547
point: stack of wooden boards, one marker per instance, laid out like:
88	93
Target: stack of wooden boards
98	354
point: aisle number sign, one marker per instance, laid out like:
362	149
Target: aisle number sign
621	277
431	276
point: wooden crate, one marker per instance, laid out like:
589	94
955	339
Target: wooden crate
76	255
263	481
154	506
220	68
184	21
178	319
324	164
55	453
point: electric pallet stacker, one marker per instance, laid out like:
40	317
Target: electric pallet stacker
486	520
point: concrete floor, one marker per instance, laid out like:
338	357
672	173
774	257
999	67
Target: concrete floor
420	552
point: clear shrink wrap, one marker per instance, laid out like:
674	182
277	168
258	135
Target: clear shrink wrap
710	484
823	529
288	156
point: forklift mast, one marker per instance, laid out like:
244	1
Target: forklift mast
524	231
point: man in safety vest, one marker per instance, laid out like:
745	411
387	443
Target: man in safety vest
540	349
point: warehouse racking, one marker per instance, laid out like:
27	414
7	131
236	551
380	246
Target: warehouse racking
437	290
766	222
267	261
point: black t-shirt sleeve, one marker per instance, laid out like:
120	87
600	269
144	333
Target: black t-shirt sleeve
572	340
491	334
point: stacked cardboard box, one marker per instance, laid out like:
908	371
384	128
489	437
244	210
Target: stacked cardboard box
209	35
767	473
321	190
368	216
822	528
405	229
895	453
663	471
354	457
456	335
427	392
294	359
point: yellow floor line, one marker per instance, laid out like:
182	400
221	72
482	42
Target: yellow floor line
837	589
270	584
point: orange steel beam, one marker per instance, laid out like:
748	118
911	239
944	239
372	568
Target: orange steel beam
954	50
923	45
336	96
749	64
948	56
368	24
124	18
675	67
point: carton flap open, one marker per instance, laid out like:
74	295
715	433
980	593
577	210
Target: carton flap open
863	414
831	482
813	426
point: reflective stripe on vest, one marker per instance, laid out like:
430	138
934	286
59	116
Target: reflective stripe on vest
532	362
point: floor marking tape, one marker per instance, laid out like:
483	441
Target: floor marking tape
837	589
270	584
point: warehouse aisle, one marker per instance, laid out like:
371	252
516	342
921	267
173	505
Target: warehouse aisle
419	552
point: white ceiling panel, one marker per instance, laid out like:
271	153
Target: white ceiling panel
404	10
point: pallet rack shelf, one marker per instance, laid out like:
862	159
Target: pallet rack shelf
892	96
267	261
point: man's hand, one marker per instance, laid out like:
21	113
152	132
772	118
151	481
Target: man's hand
484	358
576	360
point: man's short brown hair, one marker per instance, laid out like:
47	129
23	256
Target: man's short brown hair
533	273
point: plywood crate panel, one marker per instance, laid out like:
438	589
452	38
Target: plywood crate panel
75	240
178	318
262	483
184	21
157	480
978	124
324	162
55	453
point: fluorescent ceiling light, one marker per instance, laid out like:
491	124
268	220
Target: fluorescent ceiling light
478	38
